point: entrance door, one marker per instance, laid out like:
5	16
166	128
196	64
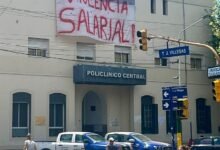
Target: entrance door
94	114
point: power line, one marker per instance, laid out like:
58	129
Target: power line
5	9
51	50
192	4
53	15
77	60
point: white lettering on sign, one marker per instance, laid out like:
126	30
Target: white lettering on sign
177	51
103	74
108	74
212	72
133	76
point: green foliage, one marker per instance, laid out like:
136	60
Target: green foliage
215	25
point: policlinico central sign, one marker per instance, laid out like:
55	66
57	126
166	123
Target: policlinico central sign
90	74
107	74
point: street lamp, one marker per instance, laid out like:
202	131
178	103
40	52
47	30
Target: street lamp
200	19
179	135
182	31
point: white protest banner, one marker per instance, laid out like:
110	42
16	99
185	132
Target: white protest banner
111	21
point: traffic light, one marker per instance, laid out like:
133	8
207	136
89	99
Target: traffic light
216	90
183	108
142	34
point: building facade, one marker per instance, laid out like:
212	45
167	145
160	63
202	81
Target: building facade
54	82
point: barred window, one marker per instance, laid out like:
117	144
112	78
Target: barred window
38	47
196	63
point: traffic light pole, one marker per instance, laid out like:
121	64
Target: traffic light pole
179	132
217	57
171	113
172	122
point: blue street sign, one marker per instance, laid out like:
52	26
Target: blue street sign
179	92
166	93
166	104
170	96
169	104
175	51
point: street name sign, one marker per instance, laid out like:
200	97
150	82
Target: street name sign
214	72
175	51
170	96
178	92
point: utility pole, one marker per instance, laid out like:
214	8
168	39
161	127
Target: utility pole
179	122
184	38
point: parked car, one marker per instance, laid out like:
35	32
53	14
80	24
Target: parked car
77	141
139	141
206	143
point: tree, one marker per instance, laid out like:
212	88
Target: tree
215	26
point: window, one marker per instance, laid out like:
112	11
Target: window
57	114
196	62
38	47
153	6
203	116
149	115
160	61
79	138
21	115
122	54
66	138
165	7
119	137
85	51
